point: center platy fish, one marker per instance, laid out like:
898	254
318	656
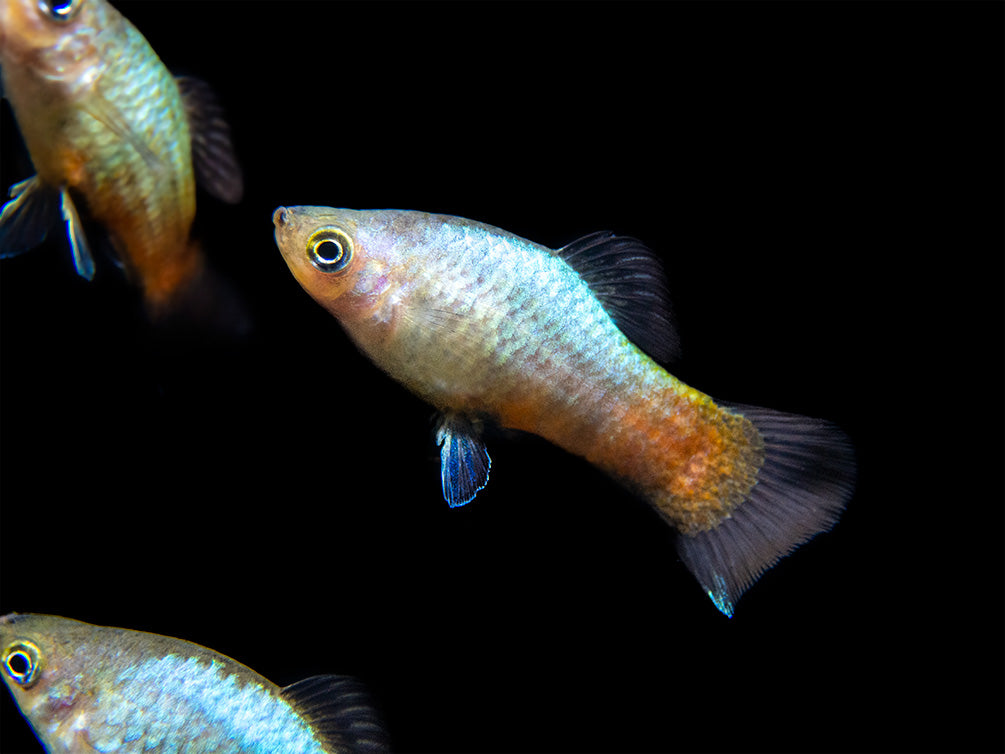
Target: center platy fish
113	137
484	324
88	688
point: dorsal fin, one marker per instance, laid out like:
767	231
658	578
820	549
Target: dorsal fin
213	159
628	281
339	712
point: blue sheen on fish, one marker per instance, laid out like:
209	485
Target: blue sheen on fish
93	688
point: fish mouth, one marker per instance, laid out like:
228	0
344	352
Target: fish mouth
282	218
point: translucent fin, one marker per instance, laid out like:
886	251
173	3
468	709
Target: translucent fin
216	167
628	280
464	461
806	480
207	306
339	712
82	258
28	217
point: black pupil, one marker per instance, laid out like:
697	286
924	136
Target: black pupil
60	10
328	251
19	664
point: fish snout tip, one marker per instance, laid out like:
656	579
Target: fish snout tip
281	217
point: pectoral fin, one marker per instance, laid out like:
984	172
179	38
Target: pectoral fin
82	258
28	217
464	461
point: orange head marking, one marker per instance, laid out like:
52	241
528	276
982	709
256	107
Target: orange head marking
327	257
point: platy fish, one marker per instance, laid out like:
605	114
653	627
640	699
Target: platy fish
565	344
93	688
116	140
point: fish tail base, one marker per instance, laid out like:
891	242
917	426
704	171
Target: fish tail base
801	489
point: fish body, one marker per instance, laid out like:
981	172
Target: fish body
484	324
113	137
93	688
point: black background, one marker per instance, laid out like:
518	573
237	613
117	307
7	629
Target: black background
824	183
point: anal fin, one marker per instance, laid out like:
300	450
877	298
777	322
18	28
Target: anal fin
464	461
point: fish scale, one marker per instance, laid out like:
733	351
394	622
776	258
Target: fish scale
484	324
146	706
519	319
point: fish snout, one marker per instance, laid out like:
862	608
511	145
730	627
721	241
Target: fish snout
281	217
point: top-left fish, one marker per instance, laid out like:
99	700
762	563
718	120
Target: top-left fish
115	138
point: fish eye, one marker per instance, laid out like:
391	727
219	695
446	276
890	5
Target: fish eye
329	249
59	10
21	661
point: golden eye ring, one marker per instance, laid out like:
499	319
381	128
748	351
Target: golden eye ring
329	249
21	662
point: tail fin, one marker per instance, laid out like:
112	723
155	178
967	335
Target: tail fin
803	485
206	304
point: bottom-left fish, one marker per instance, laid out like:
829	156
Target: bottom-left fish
90	688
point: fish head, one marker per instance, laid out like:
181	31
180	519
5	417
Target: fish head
42	663
58	40
332	258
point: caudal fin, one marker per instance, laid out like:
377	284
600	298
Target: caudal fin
206	304
805	482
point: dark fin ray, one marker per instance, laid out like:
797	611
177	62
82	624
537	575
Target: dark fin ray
25	220
82	258
464	461
807	479
216	167
628	280
339	712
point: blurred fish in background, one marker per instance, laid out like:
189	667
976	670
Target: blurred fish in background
93	688
565	344
117	142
